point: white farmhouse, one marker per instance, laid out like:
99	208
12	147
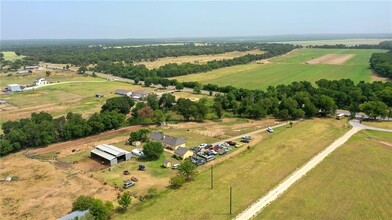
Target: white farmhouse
40	82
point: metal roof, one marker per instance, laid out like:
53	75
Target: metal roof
181	151
115	151
75	214
166	139
103	154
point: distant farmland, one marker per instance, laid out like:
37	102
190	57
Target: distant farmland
354	182
11	56
197	59
290	68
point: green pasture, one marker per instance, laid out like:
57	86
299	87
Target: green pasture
11	56
290	68
354	182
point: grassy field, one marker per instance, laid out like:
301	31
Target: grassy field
348	42
196	59
11	56
59	99
289	68
251	174
352	183
379	124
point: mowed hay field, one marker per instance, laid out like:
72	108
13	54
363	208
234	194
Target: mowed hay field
251	174
290	68
196	59
11	56
354	182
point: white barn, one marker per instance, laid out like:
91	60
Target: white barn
110	154
40	81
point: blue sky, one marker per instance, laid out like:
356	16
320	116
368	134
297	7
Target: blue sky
125	19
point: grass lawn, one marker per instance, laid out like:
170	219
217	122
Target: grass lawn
192	139
251	174
379	124
289	68
354	182
11	56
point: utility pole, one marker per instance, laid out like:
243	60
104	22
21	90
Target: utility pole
212	177
231	200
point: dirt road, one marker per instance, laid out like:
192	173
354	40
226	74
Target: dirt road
298	174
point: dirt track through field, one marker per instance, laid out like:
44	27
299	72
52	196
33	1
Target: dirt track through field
331	59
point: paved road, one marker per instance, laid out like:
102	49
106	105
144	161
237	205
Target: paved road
273	194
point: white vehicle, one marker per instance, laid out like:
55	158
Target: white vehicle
270	130
213	152
138	152
175	166
204	145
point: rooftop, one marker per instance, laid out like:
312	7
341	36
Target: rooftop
166	139
181	151
103	154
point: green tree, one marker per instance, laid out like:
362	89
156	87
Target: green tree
218	109
121	104
167	100
374	109
176	182
153	150
180	86
139	135
197	88
5	147
187	170
48	73
152	101
96	207
82	70
159	116
124	201
326	105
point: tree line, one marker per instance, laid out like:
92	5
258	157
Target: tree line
297	100
382	45
140	72
382	63
41	129
84	55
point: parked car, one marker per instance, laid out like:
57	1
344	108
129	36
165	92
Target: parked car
231	143
238	145
176	166
270	130
247	137
213	152
204	145
138	152
223	151
128	184
245	140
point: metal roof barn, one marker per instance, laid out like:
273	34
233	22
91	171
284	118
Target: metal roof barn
112	159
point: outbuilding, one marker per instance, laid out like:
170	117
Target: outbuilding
110	153
123	92
167	163
40	81
14	88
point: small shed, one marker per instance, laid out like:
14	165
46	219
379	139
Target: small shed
123	92
99	95
14	88
3	102
167	163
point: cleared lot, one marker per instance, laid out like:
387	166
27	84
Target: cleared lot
352	183
331	59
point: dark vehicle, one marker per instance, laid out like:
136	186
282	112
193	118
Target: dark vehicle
245	140
128	184
231	143
223	152
142	167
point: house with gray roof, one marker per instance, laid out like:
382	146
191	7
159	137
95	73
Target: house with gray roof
168	141
183	152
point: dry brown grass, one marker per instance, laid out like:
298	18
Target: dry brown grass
331	59
197	59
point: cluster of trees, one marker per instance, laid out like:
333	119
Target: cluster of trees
140	72
42	129
8	65
84	54
97	209
382	63
302	99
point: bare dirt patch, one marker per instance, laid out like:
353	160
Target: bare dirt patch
43	190
331	59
